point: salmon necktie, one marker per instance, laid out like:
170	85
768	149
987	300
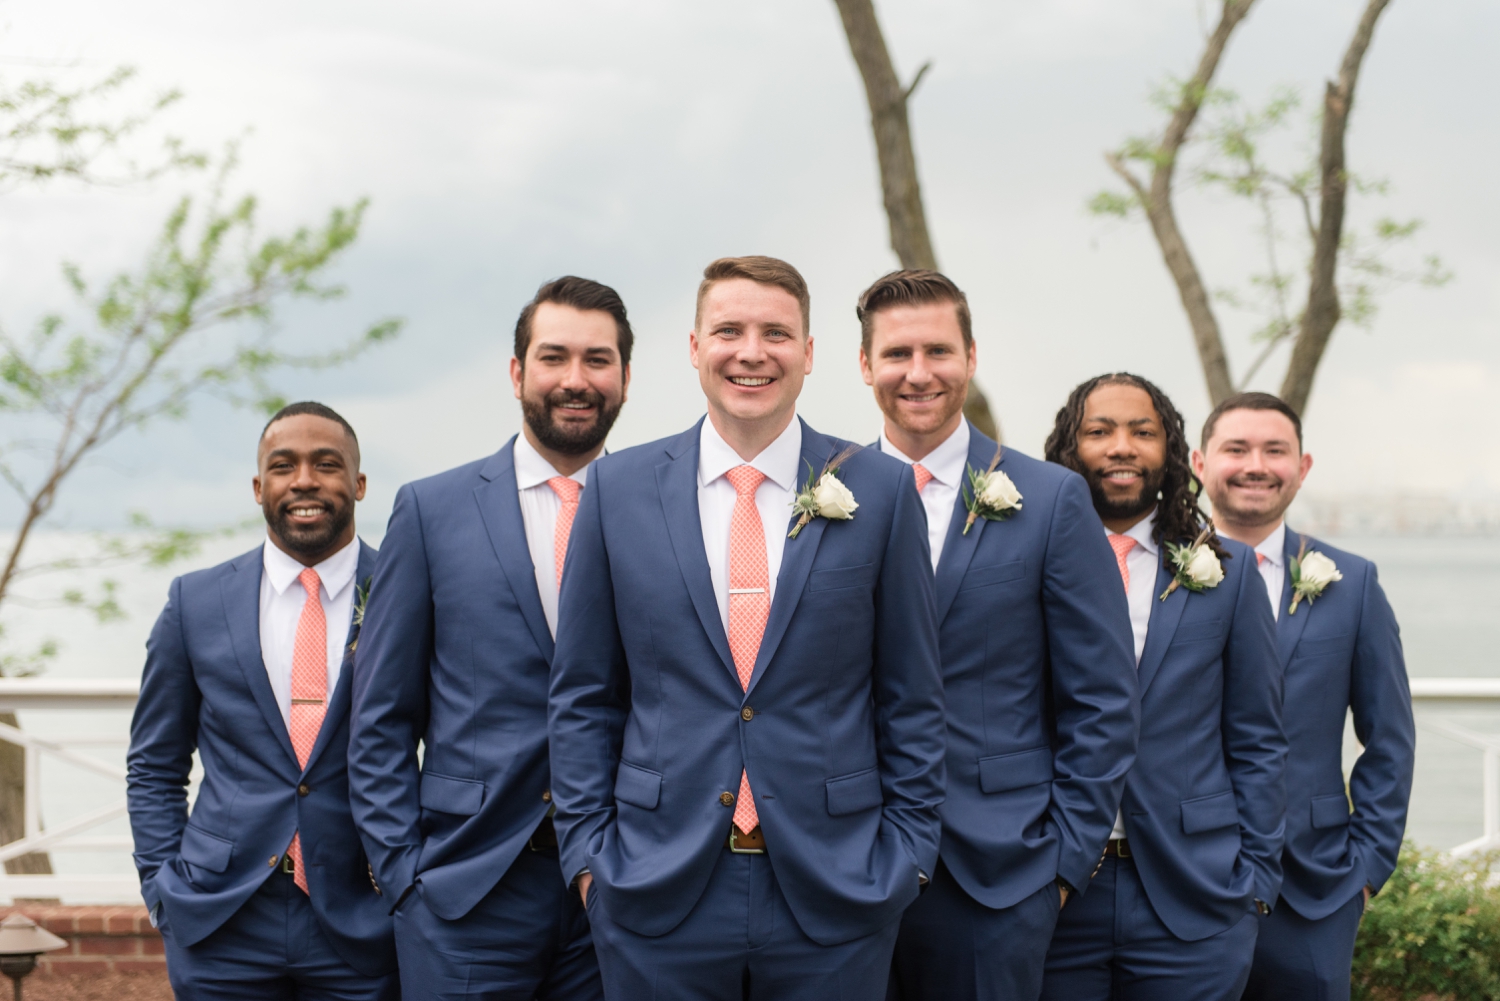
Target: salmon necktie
567	490
1260	559
309	691
1122	545
749	602
921	473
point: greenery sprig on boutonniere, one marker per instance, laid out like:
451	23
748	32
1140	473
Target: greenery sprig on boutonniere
824	495
1196	567
990	494
361	599
1311	574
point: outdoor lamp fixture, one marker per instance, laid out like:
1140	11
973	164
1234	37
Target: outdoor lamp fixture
21	942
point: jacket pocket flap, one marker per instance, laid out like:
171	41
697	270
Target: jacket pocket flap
997	573
1208	813
1328	644
638	786
446	794
1330	811
205	850
1211	630
837	577
1003	772
855	792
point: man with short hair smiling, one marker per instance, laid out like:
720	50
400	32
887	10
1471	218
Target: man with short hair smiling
1038	663
1341	650
746	709
458	640
1195	854
263	891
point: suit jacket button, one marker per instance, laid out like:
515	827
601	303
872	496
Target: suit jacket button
726	798
747	714
547	796
272	863
303	789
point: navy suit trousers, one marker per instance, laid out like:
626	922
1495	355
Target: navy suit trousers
953	948
1110	945
527	938
1301	960
738	943
271	949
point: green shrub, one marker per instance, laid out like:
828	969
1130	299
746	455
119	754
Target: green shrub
1433	932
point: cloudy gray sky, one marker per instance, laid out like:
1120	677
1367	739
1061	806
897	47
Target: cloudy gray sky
503	144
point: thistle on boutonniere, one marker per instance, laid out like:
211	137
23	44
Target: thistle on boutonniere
1197	566
1311	573
990	494
824	495
361	599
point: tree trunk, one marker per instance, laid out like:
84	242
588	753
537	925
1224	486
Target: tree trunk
13	807
1323	310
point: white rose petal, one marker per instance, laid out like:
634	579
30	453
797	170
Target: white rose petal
1203	567
1319	570
1000	493
834	499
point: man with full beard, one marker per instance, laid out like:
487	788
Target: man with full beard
456	653
1195	854
263	892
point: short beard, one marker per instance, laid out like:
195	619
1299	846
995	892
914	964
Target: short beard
308	541
1112	510
566	439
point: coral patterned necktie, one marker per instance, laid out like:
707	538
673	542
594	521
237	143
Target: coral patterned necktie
1260	559
567	490
309	691
749	602
1122	545
921	473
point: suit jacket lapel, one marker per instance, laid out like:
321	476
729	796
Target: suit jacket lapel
1289	627
337	707
1163	624
500	509
677	485
240	591
958	548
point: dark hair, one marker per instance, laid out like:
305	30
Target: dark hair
1178	517
1252	401
581	294
763	271
911	287
312	409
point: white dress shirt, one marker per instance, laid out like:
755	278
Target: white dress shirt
281	600
539	508
1142	561
946	463
1273	567
779	461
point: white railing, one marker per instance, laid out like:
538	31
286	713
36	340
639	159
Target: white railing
26	694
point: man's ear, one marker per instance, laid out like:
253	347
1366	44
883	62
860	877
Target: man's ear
1305	466
517	375
359	487
865	371
255	487
1198	465
625	385
693	347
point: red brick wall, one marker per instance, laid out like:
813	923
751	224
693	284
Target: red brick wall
101	940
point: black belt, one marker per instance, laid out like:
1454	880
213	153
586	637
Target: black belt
544	838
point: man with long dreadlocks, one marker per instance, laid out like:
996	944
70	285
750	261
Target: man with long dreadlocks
1195	855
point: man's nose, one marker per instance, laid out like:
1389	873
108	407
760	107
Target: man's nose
1121	444
575	377
304	480
918	374
752	348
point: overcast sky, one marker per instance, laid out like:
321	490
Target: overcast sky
503	144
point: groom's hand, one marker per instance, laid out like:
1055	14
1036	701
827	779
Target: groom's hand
584	882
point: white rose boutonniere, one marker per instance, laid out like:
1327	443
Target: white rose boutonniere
1197	566
361	599
1311	574
825	495
990	495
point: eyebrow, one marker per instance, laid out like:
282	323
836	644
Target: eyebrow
317	453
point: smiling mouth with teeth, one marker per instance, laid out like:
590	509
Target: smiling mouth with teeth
750	380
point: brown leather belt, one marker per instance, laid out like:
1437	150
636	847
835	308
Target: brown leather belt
544	838
741	843
1117	848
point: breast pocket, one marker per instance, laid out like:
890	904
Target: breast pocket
1211	631
839	578
995	573
1324	646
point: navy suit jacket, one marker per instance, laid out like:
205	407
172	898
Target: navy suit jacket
205	688
1343	652
1205	804
455	654
841	730
1039	674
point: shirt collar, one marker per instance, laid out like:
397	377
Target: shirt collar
336	572
532	470
1273	546
1141	533
946	462
778	460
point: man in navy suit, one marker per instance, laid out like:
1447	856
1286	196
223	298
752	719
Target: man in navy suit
1038	662
263	891
1195	854
746	707
1341	650
457	645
